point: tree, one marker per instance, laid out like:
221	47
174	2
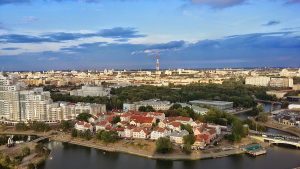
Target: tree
285	105
116	120
164	145
187	148
146	109
107	136
66	125
21	126
262	117
87	135
238	131
39	126
83	117
189	139
187	127
175	106
74	133
25	151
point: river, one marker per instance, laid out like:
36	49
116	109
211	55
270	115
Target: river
68	156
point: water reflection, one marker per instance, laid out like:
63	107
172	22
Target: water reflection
68	156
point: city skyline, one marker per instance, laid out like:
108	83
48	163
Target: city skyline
98	34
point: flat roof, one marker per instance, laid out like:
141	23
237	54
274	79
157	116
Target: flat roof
215	102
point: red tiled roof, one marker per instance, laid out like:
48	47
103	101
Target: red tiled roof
142	119
159	129
175	124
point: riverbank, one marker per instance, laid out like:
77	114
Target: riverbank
142	148
147	149
275	125
22	156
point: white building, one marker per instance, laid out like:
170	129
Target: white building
294	106
91	91
159	132
155	103
258	81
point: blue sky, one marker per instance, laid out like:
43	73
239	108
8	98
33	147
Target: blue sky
125	34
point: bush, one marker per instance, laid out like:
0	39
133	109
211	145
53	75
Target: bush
25	151
164	145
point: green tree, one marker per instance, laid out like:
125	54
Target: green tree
238	131
116	120
66	125
262	117
21	126
83	117
87	135
164	145
187	127
285	105
189	139
107	136
25	151
74	133
187	148
175	106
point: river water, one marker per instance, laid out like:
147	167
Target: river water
68	156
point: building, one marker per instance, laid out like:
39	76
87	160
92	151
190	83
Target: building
34	105
258	81
155	103
159	132
281	82
177	136
222	105
91	91
294	106
140	133
9	98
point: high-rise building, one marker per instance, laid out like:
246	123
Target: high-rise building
33	104
9	98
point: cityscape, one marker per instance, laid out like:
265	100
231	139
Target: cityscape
161	85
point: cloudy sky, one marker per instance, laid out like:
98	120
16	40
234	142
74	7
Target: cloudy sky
97	34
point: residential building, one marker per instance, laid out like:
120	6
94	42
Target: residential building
91	91
222	105
177	136
159	132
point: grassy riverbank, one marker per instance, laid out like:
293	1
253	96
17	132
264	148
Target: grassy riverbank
146	148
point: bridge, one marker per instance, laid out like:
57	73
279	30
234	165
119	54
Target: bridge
275	138
40	139
253	132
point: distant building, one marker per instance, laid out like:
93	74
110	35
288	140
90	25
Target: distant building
258	81
155	103
91	91
281	82
222	105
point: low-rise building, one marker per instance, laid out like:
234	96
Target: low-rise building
177	136
159	132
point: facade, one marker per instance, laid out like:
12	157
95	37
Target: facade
34	104
281	82
155	103
258	81
91	91
177	136
159	132
222	105
9	98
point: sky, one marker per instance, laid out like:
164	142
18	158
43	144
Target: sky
127	34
